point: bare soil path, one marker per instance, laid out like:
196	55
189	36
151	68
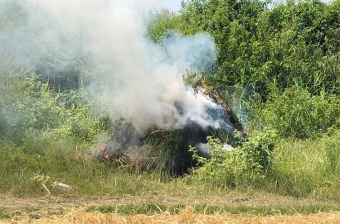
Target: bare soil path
256	199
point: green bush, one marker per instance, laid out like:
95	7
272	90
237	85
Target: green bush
241	166
296	113
29	106
262	45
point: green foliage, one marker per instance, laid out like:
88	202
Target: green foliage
65	163
153	208
261	46
28	107
238	167
242	100
297	113
304	168
279	65
332	149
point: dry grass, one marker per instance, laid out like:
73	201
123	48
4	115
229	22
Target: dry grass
185	216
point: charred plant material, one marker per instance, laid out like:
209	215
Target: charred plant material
216	97
159	149
169	149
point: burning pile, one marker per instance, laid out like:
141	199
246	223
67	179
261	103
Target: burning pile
169	148
103	45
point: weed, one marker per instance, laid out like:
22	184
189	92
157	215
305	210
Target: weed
241	166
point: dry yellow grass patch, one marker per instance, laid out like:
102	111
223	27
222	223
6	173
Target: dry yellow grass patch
186	216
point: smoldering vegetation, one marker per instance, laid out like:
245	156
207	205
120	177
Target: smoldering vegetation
166	149
175	150
81	73
101	49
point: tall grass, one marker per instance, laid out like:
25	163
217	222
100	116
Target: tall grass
299	114
53	135
62	163
305	168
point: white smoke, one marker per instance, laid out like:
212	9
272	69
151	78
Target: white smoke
126	73
151	81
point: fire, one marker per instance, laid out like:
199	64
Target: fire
128	146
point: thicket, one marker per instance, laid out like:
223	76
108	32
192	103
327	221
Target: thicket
278	65
261	44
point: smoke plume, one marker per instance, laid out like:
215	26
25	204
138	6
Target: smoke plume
104	42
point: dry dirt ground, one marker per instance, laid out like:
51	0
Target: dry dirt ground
74	209
186	216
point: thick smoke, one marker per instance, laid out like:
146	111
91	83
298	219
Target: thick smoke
124	72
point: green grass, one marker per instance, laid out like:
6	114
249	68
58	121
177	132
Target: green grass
306	168
47	135
299	169
62	150
61	162
28	211
7	213
153	208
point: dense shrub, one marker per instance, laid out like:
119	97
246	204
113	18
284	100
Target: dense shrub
243	165
278	65
260	45
297	113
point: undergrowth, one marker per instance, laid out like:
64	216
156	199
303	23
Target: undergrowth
281	77
240	166
55	135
